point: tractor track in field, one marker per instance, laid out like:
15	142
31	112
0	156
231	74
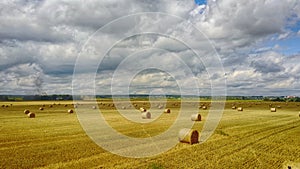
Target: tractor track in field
279	129
254	125
38	142
265	129
260	134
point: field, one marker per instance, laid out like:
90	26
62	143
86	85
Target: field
252	138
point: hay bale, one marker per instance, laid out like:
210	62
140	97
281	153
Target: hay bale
75	106
66	105
167	111
123	107
273	109
299	113
6	105
142	109
70	111
26	111
43	105
41	108
233	107
93	107
204	107
196	117
240	109
3	106
31	115
190	136
146	115
160	107
50	106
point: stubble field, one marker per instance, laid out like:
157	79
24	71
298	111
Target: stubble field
252	138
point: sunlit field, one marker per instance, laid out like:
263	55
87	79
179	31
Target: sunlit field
252	138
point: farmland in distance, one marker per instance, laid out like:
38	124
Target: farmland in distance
252	138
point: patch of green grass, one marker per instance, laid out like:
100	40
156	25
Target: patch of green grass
156	166
221	132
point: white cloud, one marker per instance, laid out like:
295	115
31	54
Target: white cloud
283	36
43	39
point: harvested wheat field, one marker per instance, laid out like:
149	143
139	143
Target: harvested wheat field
254	138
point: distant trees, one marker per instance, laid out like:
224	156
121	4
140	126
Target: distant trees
282	99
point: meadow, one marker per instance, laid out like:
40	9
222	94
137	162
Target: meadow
252	138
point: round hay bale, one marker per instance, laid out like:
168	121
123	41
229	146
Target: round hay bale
31	115
50	106
41	108
160	107
3	106
299	113
66	105
142	109
75	106
190	136
240	109
6	105
94	107
204	107
26	111
70	111
273	109
233	107
43	105
167	111
123	107
196	117
146	115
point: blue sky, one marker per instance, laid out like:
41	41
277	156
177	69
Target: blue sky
200	2
259	49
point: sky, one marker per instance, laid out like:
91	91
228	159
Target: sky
236	47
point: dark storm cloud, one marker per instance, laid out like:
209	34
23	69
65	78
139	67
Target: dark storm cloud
266	67
59	70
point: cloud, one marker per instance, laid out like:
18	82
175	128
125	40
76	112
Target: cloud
242	23
40	42
20	22
268	62
27	78
283	36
